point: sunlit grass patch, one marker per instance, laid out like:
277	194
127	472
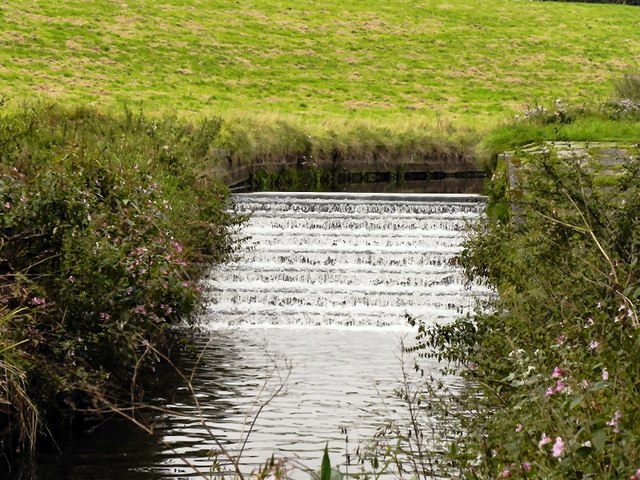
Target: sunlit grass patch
469	62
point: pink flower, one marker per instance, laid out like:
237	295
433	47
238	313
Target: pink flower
105	317
519	427
140	310
506	473
558	448
605	374
557	388
557	373
167	309
472	366
37	301
544	440
594	344
635	476
526	466
614	422
561	339
7	205
177	246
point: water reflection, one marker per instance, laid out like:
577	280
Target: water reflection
340	383
322	296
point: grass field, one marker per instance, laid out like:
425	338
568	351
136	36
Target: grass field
469	63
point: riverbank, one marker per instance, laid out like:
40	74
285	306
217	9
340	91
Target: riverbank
106	221
552	362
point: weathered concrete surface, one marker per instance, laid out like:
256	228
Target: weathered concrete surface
234	171
605	158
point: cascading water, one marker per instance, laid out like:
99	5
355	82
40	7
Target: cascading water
325	282
345	259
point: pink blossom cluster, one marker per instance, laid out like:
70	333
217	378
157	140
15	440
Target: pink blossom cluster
614	423
177	246
560	385
558	448
506	473
37	301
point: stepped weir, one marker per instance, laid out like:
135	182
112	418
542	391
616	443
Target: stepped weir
345	259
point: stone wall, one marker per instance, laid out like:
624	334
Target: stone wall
605	158
455	164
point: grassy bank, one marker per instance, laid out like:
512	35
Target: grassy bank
105	223
615	119
396	63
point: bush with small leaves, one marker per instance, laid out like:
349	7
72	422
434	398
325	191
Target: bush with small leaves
105	224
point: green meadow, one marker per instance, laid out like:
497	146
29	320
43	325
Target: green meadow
466	63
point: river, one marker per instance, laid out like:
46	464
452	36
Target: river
299	342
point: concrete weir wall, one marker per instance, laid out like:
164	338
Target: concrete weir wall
235	171
604	158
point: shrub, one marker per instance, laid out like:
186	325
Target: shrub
628	87
105	224
559	113
552	363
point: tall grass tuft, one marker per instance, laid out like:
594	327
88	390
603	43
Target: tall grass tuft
18	414
629	87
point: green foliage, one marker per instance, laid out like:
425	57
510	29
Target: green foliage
105	221
325	467
326	472
552	364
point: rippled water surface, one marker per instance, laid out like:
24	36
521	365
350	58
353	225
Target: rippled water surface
315	305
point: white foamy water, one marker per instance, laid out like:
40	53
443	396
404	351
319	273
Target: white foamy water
345	260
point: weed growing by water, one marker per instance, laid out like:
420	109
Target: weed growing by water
552	364
105	222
